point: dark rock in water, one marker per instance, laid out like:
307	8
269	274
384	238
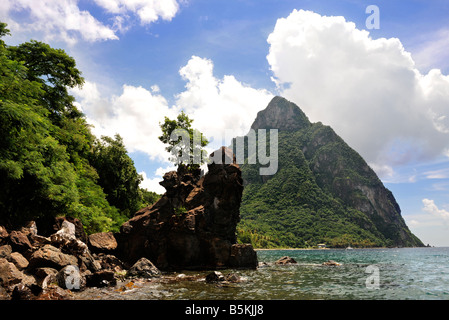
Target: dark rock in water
285	260
144	268
194	224
215	276
331	263
243	256
102	278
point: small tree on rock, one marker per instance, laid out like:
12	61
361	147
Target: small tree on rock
184	143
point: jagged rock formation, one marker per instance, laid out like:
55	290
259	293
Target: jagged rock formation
193	225
33	266
323	191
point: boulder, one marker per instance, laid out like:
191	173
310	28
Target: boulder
9	274
4	295
3	233
5	251
66	240
50	225
19	241
285	260
110	262
243	256
102	242
11	278
70	278
45	277
19	261
49	256
144	268
38	240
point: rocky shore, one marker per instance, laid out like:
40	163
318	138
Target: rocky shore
191	227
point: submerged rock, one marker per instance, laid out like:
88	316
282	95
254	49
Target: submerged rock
286	260
217	276
331	263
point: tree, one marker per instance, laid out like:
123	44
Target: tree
117	175
55	71
45	143
36	177
184	143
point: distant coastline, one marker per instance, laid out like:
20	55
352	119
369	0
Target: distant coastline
320	249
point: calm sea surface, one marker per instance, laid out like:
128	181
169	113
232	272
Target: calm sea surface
371	274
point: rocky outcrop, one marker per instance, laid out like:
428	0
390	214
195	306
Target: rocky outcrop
33	266
193	225
281	114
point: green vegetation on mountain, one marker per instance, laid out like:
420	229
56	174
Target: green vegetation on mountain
323	191
50	163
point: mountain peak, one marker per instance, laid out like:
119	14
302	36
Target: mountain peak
281	114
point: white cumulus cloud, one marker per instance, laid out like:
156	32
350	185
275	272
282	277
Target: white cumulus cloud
60	19
368	90
217	106
432	208
135	114
147	10
64	20
151	184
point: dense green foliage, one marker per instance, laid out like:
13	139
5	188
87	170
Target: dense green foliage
291	210
50	163
316	195
117	174
183	142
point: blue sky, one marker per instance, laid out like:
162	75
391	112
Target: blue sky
385	91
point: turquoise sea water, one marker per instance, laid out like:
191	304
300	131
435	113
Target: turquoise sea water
364	274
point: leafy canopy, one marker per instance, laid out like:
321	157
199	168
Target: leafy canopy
183	142
50	163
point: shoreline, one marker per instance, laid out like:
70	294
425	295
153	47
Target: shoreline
375	248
